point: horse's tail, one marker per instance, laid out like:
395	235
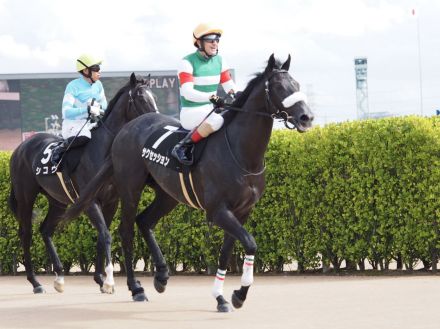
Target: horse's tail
90	191
12	201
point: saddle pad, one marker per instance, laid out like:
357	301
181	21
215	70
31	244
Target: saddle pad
42	164
158	147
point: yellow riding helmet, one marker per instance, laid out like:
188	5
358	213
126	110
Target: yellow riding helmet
86	60
205	29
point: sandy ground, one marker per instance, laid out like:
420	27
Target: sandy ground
273	302
9	139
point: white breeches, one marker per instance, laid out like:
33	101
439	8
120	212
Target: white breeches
71	128
191	117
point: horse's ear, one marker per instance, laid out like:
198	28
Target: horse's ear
286	64
133	80
271	63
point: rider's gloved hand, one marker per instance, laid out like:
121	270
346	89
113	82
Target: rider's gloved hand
237	94
217	101
94	111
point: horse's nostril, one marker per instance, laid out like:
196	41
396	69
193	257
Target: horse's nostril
306	118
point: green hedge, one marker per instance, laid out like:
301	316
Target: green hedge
357	192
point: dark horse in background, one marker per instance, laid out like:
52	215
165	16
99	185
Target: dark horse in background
228	179
131	101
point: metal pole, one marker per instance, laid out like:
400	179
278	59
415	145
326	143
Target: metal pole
420	66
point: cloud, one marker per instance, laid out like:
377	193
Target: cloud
322	36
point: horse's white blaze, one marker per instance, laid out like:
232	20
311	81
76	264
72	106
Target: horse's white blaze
153	100
248	271
58	284
296	97
219	280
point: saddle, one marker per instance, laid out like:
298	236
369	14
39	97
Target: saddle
157	148
42	166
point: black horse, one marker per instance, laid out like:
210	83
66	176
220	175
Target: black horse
131	101
227	181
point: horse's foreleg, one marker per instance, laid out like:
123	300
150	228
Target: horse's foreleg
247	278
47	229
225	219
146	222
217	289
103	248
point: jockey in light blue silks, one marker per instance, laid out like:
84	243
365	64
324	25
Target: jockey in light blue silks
83	96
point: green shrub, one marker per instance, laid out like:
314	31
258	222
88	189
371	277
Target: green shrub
354	192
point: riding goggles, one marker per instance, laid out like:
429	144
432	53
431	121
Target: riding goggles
95	68
211	38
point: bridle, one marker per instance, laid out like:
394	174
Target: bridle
271	110
131	105
277	114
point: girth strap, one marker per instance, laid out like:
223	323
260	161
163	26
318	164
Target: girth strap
188	190
68	187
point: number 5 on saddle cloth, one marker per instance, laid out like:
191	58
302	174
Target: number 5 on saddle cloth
43	166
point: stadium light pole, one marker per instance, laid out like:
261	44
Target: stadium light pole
420	60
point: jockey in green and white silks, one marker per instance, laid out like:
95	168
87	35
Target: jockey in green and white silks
200	74
199	78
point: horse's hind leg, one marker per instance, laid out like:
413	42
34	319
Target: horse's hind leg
24	204
130	189
47	229
103	248
146	221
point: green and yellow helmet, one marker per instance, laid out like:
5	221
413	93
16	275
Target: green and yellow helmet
205	29
86	60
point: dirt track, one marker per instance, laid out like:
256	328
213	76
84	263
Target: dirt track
273	302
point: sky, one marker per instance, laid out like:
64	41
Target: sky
323	37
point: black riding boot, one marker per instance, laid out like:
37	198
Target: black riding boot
58	152
183	150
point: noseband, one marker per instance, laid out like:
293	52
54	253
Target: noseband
271	108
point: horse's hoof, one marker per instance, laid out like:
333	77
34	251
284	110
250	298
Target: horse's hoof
236	301
107	289
160	286
39	290
224	308
140	297
222	305
58	286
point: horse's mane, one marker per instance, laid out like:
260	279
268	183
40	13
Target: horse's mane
239	102
115	99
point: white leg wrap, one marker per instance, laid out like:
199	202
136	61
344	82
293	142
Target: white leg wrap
248	271
59	283
109	275
217	289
